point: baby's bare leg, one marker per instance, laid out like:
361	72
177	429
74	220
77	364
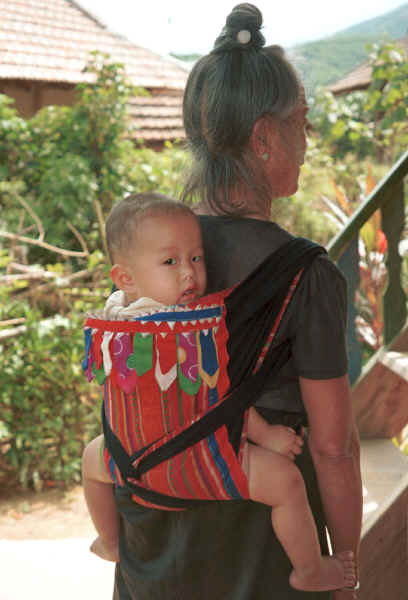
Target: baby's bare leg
277	438
275	480
98	490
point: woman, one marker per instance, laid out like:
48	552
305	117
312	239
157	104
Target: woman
245	115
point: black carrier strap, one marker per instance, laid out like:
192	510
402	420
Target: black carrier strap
252	309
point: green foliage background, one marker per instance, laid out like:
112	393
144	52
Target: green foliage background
47	409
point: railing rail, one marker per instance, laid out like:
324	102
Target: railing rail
374	201
388	196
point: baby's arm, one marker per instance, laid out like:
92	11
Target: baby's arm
277	438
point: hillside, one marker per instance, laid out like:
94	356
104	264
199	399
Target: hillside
393	23
325	61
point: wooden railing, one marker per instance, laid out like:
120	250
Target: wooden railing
388	196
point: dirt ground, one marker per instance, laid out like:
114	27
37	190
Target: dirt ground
44	548
51	514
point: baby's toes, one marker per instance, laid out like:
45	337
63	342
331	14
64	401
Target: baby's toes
349	568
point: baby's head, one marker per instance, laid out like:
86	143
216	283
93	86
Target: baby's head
155	247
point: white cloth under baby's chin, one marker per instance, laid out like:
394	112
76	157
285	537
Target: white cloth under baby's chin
116	309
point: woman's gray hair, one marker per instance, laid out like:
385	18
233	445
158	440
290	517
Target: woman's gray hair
226	92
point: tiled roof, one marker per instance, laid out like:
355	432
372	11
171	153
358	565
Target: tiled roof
50	41
360	78
148	112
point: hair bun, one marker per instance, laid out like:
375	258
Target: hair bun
242	29
245	16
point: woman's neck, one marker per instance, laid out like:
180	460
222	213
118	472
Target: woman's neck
258	215
247	207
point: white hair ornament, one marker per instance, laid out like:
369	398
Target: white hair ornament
244	36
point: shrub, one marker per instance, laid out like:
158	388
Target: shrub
48	409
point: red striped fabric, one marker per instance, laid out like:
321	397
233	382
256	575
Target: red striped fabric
152	413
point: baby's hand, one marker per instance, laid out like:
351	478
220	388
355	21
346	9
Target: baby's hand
284	440
278	438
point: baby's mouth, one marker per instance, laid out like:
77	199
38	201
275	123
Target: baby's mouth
189	294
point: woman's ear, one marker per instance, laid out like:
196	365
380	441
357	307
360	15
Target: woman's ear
122	278
263	136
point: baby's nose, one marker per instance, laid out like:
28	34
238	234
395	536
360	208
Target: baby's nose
188	271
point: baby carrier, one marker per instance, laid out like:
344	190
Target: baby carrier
178	383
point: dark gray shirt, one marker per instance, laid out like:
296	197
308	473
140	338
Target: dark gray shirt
315	319
227	550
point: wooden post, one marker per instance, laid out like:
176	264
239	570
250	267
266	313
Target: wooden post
394	301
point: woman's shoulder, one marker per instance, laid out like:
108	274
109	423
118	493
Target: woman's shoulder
235	246
250	232
324	275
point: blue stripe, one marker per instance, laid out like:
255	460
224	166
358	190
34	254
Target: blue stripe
219	461
187	315
212	396
88	342
222	467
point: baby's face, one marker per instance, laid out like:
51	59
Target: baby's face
167	263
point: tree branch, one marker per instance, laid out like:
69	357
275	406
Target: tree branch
13	331
60	282
79	238
33	216
101	223
26	240
9	322
33	274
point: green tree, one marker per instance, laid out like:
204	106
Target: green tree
372	122
69	158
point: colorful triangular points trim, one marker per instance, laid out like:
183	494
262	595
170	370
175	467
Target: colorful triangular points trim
195	359
183	315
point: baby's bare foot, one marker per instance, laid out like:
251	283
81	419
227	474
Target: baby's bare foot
336	572
104	551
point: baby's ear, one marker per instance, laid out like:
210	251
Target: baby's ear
122	278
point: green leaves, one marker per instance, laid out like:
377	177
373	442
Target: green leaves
372	122
48	409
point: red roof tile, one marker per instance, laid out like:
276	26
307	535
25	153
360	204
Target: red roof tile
50	41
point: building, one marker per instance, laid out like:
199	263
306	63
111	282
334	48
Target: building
44	46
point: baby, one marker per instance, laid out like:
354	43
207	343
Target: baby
156	251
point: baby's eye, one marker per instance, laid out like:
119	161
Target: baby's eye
170	261
197	258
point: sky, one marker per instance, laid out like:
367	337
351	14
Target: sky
191	26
